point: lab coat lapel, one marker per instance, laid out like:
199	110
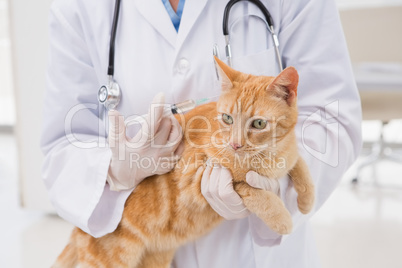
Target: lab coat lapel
191	12
155	13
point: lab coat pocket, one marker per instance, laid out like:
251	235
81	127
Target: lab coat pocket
262	63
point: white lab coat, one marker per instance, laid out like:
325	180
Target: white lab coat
151	57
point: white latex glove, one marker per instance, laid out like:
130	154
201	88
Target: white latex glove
155	149
262	182
217	188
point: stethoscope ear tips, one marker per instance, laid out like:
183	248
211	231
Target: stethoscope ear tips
109	95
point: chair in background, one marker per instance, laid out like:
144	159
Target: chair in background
374	37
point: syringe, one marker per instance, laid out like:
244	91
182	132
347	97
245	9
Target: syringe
176	108
187	105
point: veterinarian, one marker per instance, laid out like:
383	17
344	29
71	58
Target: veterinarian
166	46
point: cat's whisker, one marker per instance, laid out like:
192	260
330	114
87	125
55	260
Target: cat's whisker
261	158
252	150
215	155
250	153
270	171
268	157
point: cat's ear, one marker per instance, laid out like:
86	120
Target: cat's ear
226	74
285	85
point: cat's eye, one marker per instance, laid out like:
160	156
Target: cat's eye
259	124
227	119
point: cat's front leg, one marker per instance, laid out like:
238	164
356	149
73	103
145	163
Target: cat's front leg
303	184
267	206
161	259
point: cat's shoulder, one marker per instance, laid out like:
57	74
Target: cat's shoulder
204	109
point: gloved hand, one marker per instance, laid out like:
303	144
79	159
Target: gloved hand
217	188
262	182
155	148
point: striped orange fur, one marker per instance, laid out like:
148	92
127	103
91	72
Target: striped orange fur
166	211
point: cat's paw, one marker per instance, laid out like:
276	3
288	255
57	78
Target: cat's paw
280	223
305	201
283	228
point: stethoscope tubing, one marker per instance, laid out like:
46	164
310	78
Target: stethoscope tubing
269	23
110	70
226	13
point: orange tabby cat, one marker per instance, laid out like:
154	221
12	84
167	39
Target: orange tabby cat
251	127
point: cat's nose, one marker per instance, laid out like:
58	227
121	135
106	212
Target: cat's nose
235	145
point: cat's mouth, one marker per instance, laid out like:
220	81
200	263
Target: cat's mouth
248	152
242	152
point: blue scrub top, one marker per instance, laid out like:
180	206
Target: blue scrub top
174	16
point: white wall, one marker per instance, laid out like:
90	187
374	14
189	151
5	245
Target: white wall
28	22
374	34
7	105
357	4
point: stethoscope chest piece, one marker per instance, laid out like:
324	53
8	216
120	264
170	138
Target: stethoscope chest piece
109	95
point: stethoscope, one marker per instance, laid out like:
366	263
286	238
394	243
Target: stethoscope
269	23
109	95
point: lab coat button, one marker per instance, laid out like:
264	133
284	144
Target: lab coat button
183	66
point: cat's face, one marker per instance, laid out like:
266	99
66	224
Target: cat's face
256	112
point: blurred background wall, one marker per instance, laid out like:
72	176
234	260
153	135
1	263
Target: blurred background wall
373	33
28	33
